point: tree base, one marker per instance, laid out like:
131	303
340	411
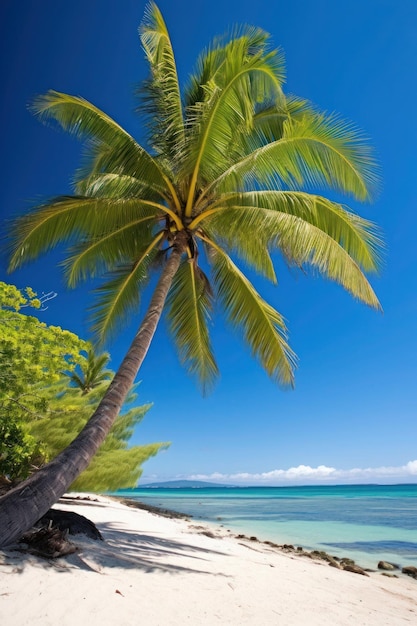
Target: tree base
48	538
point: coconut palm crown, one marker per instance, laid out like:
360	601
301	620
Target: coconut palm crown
229	177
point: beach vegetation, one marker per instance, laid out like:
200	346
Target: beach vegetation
72	400
32	357
51	382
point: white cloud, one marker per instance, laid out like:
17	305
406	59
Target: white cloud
412	467
304	474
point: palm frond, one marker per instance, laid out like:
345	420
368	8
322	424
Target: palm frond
119	297
314	151
238	230
260	212
112	185
111	146
160	94
92	372
303	243
262	326
76	379
92	257
250	40
95	373
270	116
48	225
70	217
228	104
189	307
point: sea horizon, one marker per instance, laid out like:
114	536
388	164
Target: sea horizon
205	485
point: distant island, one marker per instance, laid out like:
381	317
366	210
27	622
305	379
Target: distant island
182	484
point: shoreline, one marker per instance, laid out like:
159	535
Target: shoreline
287	546
346	563
169	570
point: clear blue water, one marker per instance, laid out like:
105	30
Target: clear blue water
366	522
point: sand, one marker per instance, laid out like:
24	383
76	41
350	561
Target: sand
159	571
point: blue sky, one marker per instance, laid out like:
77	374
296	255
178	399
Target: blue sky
352	415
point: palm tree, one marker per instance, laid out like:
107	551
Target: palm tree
231	174
92	372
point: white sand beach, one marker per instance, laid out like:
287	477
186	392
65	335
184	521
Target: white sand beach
159	571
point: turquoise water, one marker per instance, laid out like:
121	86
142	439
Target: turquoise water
366	522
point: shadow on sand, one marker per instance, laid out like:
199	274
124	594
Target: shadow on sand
121	548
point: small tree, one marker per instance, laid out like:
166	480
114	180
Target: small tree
43	408
32	357
71	401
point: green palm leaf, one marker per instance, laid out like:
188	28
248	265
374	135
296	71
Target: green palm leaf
270	117
161	94
260	212
263	327
302	243
308	230
228	104
69	218
243	42
313	151
119	297
112	185
94	256
92	372
111	146
238	229
189	308
47	226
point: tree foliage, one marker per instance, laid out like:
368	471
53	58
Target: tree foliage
51	381
116	465
32	357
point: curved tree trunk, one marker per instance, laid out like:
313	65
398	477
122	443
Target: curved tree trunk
21	507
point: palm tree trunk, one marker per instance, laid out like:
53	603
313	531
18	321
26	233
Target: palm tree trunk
21	507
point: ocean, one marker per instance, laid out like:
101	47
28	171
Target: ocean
367	523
